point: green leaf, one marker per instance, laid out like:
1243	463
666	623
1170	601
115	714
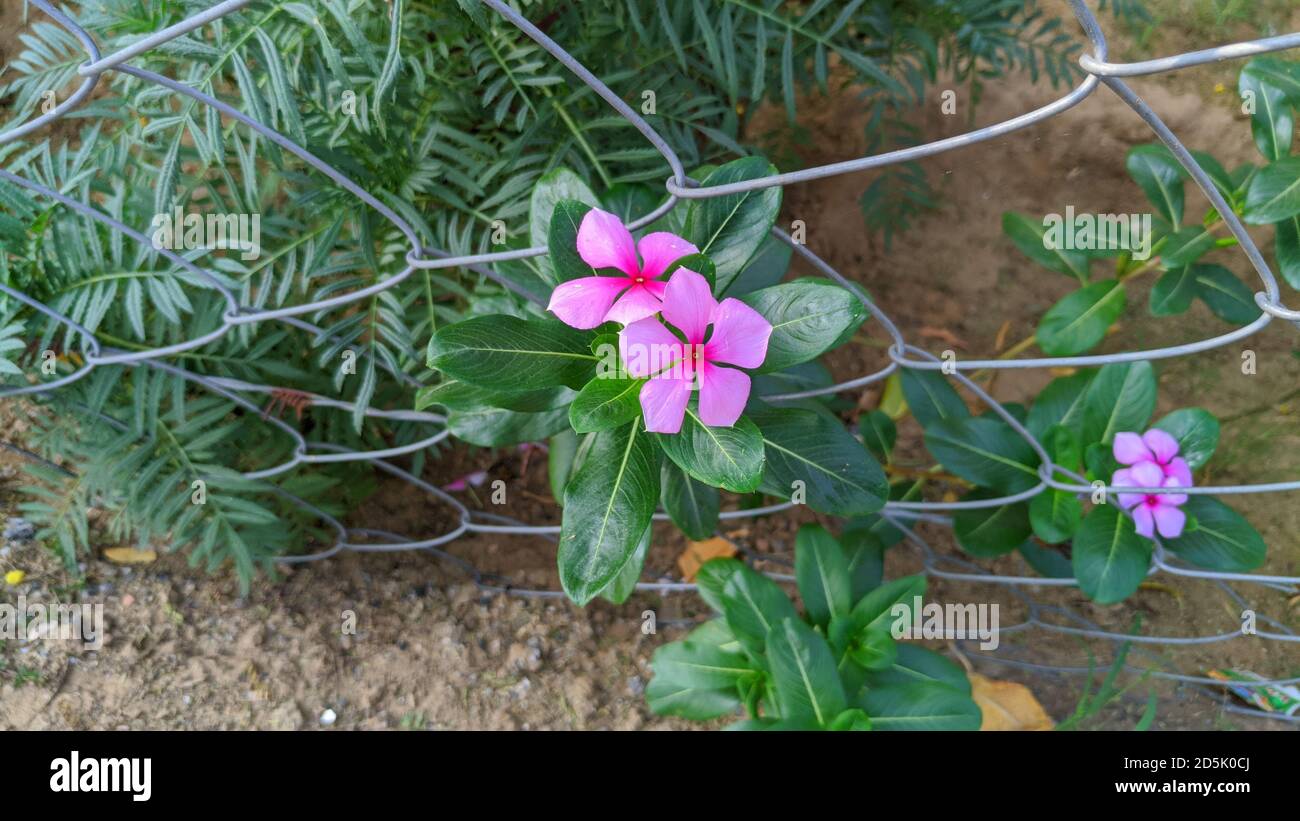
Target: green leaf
496	427
1029	235
605	403
698	678
991	531
1288	250
1173	292
1060	403
917	665
765	268
984	451
1281	74
1055	515
730	229
1197	432
931	398
1271	122
453	394
866	561
1227	296
562	240
1122	397
730	458
878	607
1048	562
1273	193
608	505
1080	320
559	184
1110	559
752	605
1221	539
823	574
878	433
507	353
1185	246
809	317
1160	177
560	454
851	719
692	505
624	584
803	672
920	706
838	475
712	579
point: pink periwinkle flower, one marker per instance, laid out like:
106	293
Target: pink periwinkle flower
649	349
1153	461
605	242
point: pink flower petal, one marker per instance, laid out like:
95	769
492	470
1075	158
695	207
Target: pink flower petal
1147	474
663	404
723	394
661	249
689	304
740	335
583	302
605	242
1130	449
1144	521
1172	499
647	347
657	287
1178	469
636	303
1124	478
1169	520
1164	446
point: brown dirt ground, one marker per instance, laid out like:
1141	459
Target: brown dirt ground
186	651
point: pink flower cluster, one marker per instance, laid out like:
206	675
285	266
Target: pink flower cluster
676	334
1153	461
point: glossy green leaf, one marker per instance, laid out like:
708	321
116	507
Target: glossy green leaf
991	531
822	571
1287	244
1160	177
506	353
803	673
1173	292
809	317
1221	538
1029	235
562	241
605	403
1227	296
1186	245
553	187
691	504
1080	320
752	605
1197	432
837	474
731	228
624	584
917	665
1110	559
1274	192
1271	122
698	677
878	433
931	397
920	706
729	458
984	451
608	504
496	427
1122	397
1060	403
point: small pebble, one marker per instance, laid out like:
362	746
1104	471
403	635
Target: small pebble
328	718
19	529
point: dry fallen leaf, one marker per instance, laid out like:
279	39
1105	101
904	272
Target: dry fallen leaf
1007	705
697	553
129	555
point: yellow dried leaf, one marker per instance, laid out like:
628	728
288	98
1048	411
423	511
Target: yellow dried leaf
129	555
1007	705
697	553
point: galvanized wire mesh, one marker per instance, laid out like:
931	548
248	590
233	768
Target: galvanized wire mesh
679	187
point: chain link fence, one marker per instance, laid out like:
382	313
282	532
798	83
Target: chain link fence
902	514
